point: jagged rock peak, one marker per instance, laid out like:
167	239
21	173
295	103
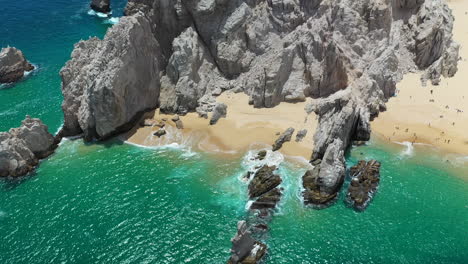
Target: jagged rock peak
22	147
13	65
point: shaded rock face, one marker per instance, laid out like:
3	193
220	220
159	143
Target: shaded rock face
365	179
321	184
22	147
102	6
13	65
283	138
108	83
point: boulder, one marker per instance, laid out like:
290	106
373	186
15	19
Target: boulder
102	6
13	65
301	134
219	111
245	249
161	132
283	138
365	178
22	147
264	181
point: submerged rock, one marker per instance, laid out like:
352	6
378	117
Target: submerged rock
102	6
22	147
109	83
285	137
365	178
13	65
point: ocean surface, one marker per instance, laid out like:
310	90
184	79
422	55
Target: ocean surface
117	203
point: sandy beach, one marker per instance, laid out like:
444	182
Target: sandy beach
435	115
245	127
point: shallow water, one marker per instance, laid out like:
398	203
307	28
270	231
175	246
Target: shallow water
118	203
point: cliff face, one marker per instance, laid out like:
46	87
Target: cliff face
109	82
348	53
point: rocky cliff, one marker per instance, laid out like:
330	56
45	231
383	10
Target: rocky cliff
180	54
22	147
108	83
13	65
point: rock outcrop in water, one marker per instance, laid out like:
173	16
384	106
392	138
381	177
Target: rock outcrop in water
365	178
22	147
265	194
109	83
102	6
13	65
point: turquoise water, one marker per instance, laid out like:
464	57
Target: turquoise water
117	203
46	32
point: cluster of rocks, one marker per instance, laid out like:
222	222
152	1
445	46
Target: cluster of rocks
21	148
365	178
161	124
265	193
13	65
102	6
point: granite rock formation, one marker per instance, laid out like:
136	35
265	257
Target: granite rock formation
350	53
22	147
102	6
109	83
365	179
321	184
13	65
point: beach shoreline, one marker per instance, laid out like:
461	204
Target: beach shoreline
433	115
243	129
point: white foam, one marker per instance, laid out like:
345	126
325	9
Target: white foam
2	214
99	14
409	148
112	21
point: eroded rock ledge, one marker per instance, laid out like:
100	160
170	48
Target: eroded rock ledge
22	147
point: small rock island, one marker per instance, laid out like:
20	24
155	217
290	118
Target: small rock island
13	65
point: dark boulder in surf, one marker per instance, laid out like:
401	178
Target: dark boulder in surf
102	6
264	181
246	249
365	179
